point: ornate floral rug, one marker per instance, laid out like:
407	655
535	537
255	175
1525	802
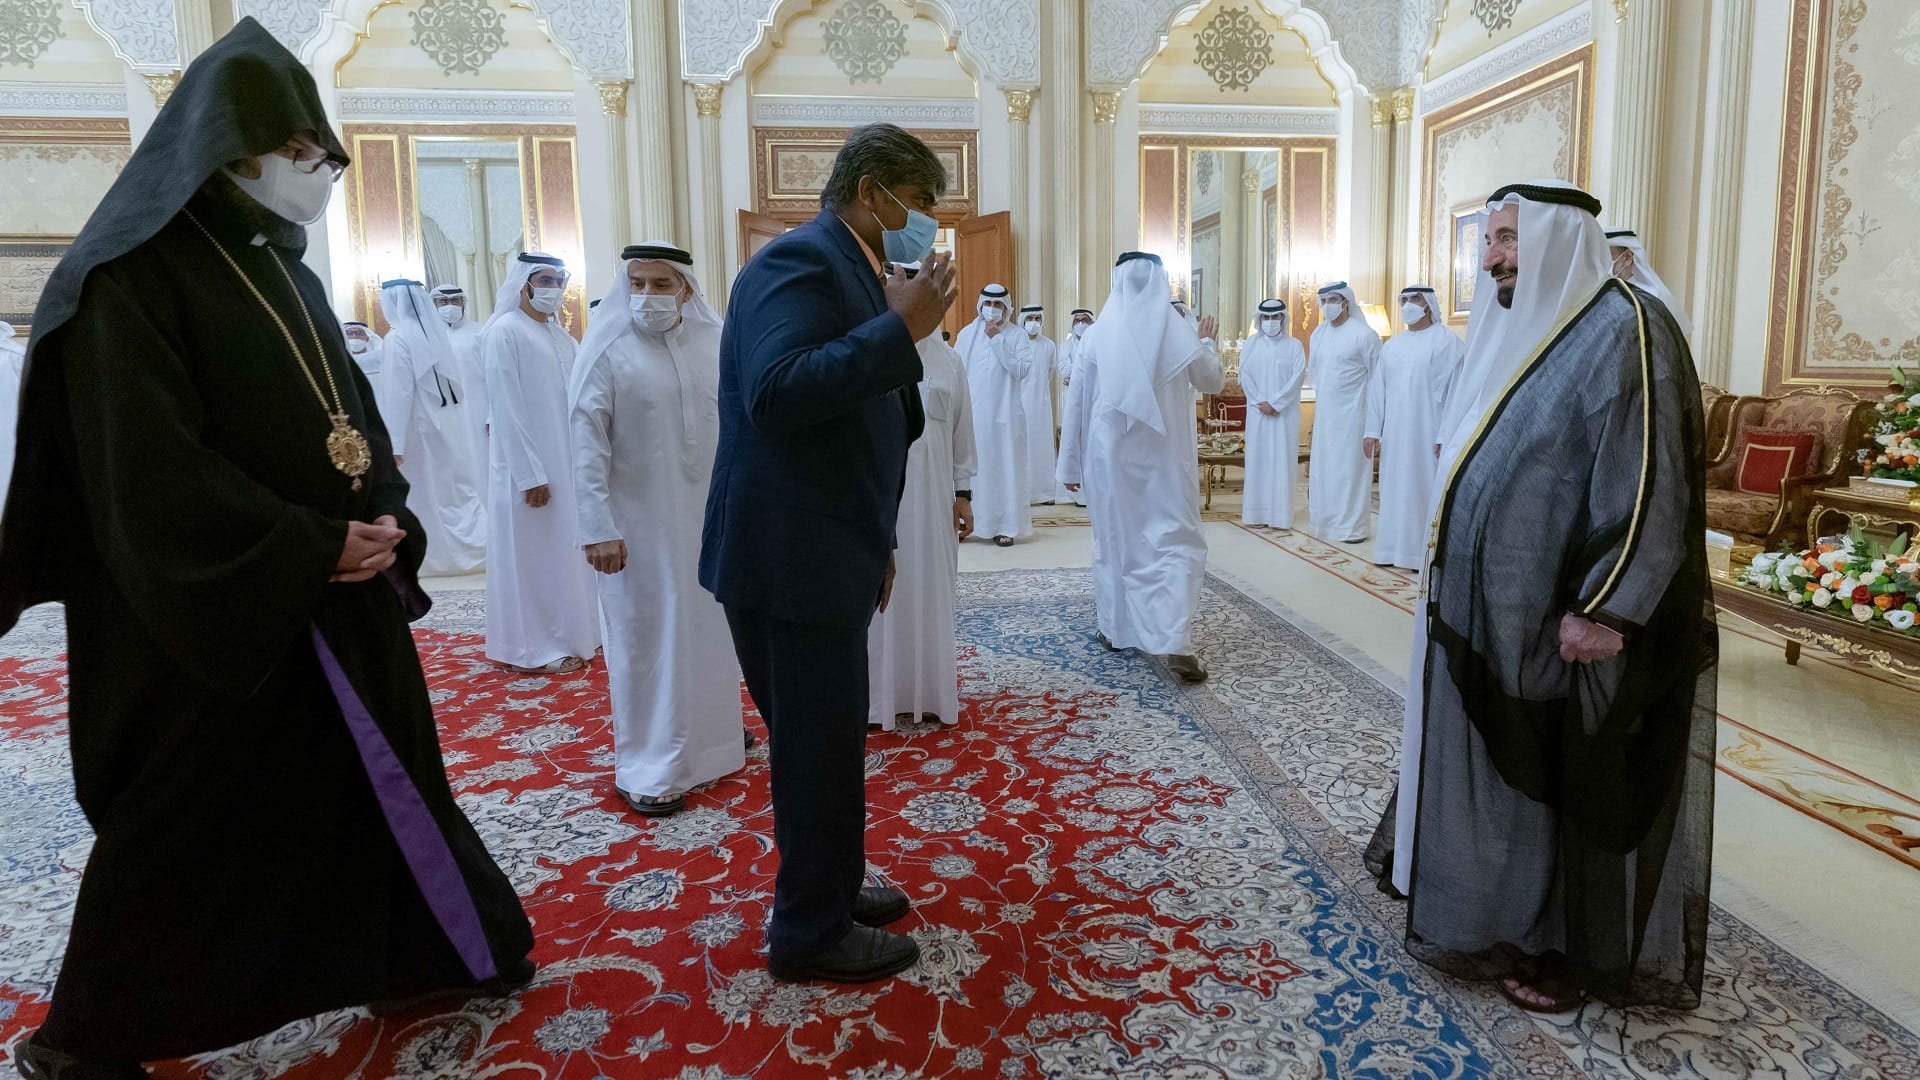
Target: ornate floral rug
1113	874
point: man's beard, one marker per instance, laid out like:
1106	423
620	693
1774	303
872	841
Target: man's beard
1504	293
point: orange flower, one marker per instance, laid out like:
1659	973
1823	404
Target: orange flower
1900	408
1824	548
1812	566
1884	601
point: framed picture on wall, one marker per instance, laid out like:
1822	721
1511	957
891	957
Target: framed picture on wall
1463	259
26	261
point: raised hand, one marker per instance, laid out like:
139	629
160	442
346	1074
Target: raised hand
1209	328
922	300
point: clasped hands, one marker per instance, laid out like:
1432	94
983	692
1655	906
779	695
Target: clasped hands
369	549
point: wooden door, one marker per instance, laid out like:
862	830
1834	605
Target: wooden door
982	255
756	232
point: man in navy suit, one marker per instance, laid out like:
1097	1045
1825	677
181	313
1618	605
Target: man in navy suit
817	408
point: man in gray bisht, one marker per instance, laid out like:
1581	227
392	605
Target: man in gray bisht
1558	766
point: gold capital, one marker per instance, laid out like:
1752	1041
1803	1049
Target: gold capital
1620	10
706	98
1106	106
1251	181
1403	104
613	98
1381	110
1019	105
161	86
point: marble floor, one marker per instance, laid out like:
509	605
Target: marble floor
1844	906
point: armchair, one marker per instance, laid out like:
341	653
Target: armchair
1836	417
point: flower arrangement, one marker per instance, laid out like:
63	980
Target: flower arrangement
1896	433
1847	577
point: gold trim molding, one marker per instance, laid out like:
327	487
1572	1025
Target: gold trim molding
1106	106
161	86
706	98
613	98
1019	105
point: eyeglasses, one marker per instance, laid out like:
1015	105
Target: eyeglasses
335	169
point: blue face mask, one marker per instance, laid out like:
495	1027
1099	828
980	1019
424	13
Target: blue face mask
911	242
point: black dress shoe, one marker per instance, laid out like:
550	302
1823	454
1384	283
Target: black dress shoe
37	1062
878	907
1101	640
752	740
864	955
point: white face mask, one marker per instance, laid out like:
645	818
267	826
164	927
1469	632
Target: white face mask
547	301
450	314
1033	327
1331	309
657	312
1079	328
1413	313
993	314
1272	327
287	189
356	346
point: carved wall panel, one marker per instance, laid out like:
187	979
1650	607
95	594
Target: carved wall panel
1536	125
791	165
1846	281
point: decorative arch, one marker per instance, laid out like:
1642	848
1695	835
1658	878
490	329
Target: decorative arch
995	40
591	34
142	33
1124	38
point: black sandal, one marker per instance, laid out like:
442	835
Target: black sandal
1003	541
656	805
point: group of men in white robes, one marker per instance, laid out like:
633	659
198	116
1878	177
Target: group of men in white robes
13	356
1273	365
420	389
998	361
1127	435
912	652
1079	321
541	616
1410	382
1342	351
643	401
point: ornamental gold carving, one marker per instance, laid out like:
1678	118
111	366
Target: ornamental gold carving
613	98
1234	48
161	86
1403	104
1106	106
1019	105
706	98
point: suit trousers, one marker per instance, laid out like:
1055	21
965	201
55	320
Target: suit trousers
810	684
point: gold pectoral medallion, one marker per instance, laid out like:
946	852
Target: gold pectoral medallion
348	449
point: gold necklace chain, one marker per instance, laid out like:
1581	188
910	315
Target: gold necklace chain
347	448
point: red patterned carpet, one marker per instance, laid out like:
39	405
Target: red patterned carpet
1114	875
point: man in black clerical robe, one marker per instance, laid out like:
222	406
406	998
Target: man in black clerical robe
251	735
1561	712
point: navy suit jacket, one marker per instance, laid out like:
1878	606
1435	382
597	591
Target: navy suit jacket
818	405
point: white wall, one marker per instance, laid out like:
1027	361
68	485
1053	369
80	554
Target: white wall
1759	197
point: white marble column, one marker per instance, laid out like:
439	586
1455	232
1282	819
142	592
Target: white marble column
1378	277
1063	145
1400	200
1227	291
1254	286
1020	196
1106	111
193	22
1713	306
480	284
613	112
712	258
1639	99
653	108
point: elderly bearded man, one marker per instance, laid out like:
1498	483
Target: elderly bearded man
1556	820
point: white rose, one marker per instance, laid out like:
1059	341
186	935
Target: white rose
1846	586
1827	560
1879	567
1763	563
1863	612
1900	619
1822	598
1889	399
1800	596
1828	581
1883	440
1914	400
